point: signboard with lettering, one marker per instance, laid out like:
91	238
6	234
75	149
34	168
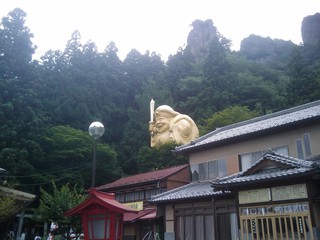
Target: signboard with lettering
135	205
254	196
297	191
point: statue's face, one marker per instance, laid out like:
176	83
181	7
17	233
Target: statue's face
162	125
160	131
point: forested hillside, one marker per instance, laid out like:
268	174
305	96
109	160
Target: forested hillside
46	106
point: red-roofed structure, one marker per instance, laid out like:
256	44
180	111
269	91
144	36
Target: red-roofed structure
100	200
101	209
136	190
143	178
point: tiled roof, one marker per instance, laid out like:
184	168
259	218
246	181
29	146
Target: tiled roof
253	126
279	166
189	191
147	213
104	200
143	178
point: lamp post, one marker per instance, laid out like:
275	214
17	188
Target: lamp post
96	130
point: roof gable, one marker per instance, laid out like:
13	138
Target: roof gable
270	167
272	161
281	119
143	177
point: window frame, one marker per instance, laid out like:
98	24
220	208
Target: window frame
253	157
198	173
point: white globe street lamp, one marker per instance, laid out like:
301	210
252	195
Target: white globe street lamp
96	130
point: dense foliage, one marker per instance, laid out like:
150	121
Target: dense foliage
47	105
6	206
53	206
230	115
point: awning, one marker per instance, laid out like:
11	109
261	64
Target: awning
17	195
150	215
22	199
147	213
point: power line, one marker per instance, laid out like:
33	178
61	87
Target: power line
55	180
48	173
38	184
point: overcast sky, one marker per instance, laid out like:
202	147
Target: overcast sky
157	25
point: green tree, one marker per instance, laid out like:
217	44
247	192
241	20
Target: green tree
69	157
16	47
6	206
150	159
215	93
304	75
54	204
21	112
142	71
229	116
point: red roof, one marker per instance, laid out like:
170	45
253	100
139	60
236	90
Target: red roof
147	213
106	200
143	177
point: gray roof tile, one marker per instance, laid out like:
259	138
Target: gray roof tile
283	166
255	125
191	190
290	166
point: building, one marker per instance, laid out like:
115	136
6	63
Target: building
211	206
284	202
136	190
16	217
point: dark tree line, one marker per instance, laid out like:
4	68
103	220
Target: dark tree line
46	106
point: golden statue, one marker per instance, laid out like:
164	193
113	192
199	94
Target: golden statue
167	125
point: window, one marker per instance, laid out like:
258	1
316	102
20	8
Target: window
299	148
246	160
195	172
209	170
99	226
120	197
153	192
307	144
130	197
203	171
217	169
140	195
199	223
194	224
304	146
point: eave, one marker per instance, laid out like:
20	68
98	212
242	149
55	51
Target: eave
193	148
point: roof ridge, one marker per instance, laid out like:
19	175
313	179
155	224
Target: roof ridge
271	115
174	190
158	170
256	120
143	177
